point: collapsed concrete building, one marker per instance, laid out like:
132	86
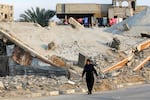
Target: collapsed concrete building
17	49
17	57
14	59
6	13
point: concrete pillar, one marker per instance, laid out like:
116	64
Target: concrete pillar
92	21
120	3
114	3
129	4
66	17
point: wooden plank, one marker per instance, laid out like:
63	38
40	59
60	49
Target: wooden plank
116	66
143	45
121	64
145	35
26	47
142	64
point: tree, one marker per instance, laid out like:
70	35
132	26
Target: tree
37	15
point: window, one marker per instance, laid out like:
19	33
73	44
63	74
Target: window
6	16
117	4
133	5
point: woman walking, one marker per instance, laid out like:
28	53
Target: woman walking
89	70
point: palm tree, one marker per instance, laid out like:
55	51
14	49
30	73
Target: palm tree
40	16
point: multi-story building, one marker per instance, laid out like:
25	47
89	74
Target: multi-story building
6	12
82	10
117	9
124	8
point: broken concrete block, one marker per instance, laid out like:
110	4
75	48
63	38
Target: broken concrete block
51	46
84	90
82	59
129	63
81	90
52	24
36	95
18	87
21	57
62	79
54	93
75	23
1	85
5	39
71	82
29	83
71	91
58	61
126	27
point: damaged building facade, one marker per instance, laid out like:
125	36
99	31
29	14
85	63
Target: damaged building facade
95	13
6	12
14	58
17	61
82	10
78	11
124	8
6	15
18	58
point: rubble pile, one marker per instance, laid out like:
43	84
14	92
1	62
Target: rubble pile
61	46
113	82
139	21
27	85
126	74
145	72
139	57
103	85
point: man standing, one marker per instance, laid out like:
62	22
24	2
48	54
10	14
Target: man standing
89	70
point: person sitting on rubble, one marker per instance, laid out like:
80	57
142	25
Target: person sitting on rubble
90	71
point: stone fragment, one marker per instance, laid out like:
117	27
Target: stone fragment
1	85
51	46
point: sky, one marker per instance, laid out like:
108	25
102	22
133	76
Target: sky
21	5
